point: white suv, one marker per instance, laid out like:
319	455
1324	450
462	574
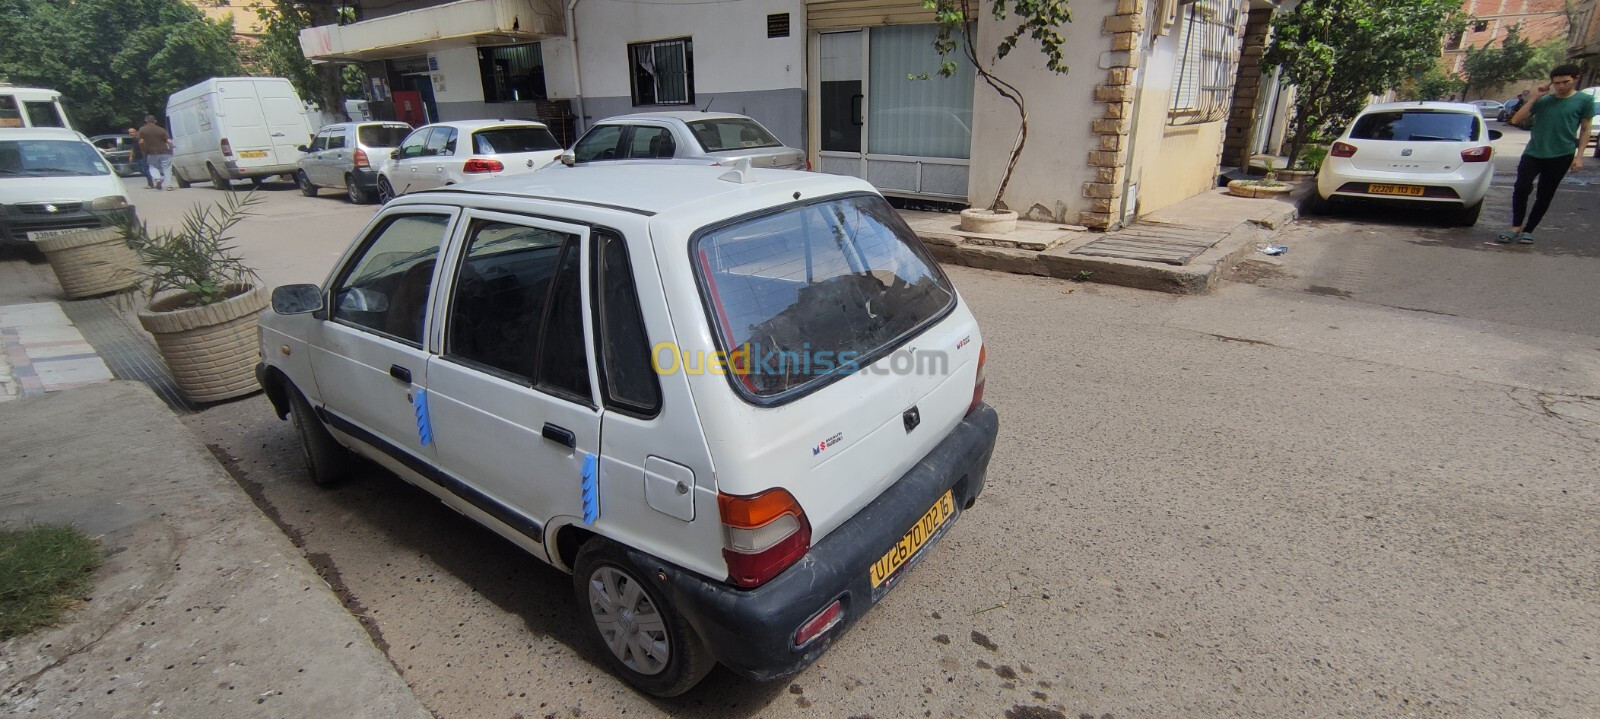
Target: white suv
737	405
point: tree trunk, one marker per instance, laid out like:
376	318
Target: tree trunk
1009	92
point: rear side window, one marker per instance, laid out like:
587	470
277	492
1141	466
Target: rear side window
508	140
44	114
816	291
1416	126
731	134
382	135
336	140
10	116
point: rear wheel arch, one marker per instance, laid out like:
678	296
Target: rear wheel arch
569	540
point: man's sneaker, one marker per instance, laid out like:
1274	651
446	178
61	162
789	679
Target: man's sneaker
1525	238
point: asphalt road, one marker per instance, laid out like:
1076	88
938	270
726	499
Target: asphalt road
1357	480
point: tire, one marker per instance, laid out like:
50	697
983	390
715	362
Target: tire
258	181
182	183
306	188
601	578
1314	204
326	460
1468	216
354	193
385	191
217	180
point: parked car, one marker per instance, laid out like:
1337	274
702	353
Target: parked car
737	405
688	138
1425	154
118	150
52	181
449	153
236	128
1487	108
346	156
31	107
1508	109
1594	127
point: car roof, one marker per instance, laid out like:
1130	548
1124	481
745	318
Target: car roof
681	115
40	133
655	189
480	124
1423	105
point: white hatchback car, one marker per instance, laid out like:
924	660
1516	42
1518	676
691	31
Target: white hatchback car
685	137
1428	154
52	182
738	405
448	153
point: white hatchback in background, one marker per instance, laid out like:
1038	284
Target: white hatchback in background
52	182
448	153
684	137
1426	154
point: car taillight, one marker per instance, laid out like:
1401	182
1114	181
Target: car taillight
762	534
227	149
977	387
361	159
1478	154
478	164
821	622
1341	149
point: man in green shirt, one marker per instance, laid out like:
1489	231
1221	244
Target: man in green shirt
1561	116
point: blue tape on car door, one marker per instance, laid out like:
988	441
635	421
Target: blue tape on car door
419	402
591	490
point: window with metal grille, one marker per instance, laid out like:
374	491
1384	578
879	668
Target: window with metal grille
1207	60
512	74
778	25
662	72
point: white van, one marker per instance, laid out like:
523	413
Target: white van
31	107
235	128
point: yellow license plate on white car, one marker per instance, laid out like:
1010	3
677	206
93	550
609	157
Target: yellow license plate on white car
914	540
1406	190
252	154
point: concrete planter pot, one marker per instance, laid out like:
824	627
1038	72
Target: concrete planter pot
1296	174
211	349
91	262
1248	188
984	221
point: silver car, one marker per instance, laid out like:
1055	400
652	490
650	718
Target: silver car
347	156
685	138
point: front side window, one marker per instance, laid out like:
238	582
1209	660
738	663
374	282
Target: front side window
601	143
509	140
1416	126
441	142
501	294
651	142
50	158
815	291
318	143
662	73
731	134
412	147
389	283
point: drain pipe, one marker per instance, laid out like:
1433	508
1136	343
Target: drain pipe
577	77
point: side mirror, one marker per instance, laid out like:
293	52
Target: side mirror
296	299
394	154
569	159
303	148
1495	135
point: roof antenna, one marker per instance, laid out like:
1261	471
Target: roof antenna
738	171
707	108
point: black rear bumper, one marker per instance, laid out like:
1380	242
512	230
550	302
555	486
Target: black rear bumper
752	631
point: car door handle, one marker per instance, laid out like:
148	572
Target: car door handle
560	435
399	373
277	134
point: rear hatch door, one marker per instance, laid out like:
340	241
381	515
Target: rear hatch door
521	148
1422	141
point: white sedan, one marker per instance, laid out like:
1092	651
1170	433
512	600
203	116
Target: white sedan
1435	155
449	153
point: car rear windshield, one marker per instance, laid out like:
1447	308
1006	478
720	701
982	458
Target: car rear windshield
1416	126
816	291
382	135
507	140
50	158
731	133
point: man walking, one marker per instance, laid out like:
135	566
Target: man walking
1560	116
137	156
156	145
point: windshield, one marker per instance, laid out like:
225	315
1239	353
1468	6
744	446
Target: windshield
44	158
731	133
1416	126
817	290
506	140
382	135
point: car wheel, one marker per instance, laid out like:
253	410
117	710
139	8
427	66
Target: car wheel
353	191
648	643
385	190
217	180
325	459
257	181
1468	216
182	183
1314	204
306	188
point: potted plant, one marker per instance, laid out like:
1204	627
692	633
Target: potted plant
202	300
1268	186
91	262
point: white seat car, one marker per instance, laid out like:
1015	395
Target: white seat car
737	405
448	153
1435	155
685	137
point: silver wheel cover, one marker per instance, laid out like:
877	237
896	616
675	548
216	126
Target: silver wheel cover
628	621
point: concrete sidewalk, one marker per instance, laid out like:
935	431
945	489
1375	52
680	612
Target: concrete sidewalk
202	609
1185	248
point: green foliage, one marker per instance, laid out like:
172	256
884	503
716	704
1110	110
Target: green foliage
1487	68
46	569
278	54
1311	159
198	258
1545	57
1340	52
1433	84
114	61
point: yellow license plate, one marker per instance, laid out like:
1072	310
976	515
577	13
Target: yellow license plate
253	153
914	539
1407	190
